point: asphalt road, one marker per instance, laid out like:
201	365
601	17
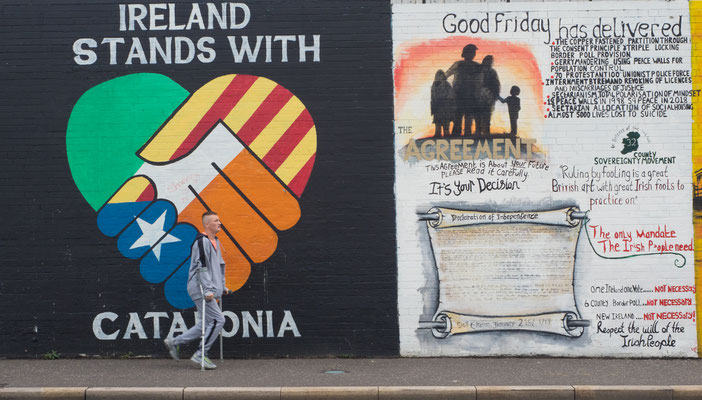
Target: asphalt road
356	372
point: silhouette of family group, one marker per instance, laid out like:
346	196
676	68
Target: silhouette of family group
471	98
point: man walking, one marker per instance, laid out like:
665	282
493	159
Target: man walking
205	278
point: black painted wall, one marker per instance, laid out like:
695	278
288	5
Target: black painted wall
335	271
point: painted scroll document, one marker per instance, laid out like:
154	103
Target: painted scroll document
521	278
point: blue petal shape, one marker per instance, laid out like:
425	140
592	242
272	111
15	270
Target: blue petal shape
157	269
113	217
130	242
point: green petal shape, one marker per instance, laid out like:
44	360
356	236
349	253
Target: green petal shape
110	123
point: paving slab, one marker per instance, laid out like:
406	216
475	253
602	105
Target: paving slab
687	392
620	392
142	393
426	392
329	393
232	393
525	392
46	393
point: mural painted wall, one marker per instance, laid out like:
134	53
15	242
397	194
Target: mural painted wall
543	179
124	122
540	193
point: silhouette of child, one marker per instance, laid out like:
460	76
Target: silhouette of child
443	104
513	107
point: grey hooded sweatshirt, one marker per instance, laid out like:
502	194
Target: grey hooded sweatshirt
212	276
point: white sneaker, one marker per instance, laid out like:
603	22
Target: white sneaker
172	348
197	360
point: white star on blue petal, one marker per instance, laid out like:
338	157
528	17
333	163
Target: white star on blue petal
151	233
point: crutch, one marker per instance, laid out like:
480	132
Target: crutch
203	263
202	353
221	341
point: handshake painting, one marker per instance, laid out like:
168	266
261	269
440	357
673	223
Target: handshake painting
471	99
150	157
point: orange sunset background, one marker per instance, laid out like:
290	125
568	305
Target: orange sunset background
417	62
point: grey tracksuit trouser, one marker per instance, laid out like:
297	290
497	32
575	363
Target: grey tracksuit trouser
214	321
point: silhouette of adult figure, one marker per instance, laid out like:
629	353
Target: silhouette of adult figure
464	85
443	104
486	95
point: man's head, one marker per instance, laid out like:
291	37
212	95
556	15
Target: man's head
469	51
488	61
210	221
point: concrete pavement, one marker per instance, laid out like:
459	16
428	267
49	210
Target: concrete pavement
386	378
